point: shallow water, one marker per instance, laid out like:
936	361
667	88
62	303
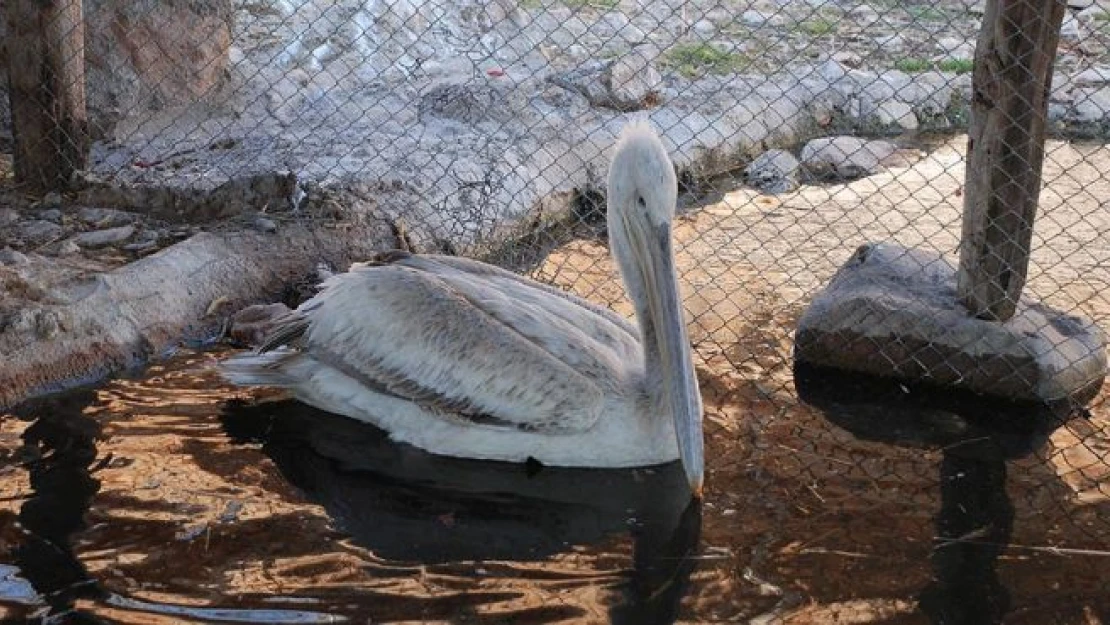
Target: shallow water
171	498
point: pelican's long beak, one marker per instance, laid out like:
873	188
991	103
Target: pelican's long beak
680	384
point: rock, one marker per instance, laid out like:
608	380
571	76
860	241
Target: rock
67	248
104	217
632	82
51	214
1092	106
466	103
1092	13
844	157
754	18
265	224
848	59
705	28
8	217
8	256
104	238
894	312
1071	30
627	83
774	171
52	199
38	231
892	116
1094	76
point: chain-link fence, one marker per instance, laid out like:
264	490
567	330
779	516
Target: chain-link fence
801	131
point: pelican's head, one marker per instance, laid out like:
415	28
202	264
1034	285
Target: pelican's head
642	196
642	184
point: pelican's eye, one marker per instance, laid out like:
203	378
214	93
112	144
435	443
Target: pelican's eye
640	201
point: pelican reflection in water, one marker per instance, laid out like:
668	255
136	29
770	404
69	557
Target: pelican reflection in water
465	359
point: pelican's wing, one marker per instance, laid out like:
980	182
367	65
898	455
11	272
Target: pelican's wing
489	347
475	268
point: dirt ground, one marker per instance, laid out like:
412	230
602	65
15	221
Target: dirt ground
750	263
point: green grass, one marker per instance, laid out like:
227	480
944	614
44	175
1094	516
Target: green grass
959	66
600	5
818	26
597	5
912	66
916	65
697	59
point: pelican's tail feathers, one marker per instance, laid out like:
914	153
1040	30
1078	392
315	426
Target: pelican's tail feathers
261	369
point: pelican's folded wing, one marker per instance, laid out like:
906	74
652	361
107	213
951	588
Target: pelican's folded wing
416	335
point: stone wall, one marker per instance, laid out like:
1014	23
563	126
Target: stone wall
142	55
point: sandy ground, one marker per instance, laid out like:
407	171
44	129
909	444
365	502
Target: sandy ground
750	263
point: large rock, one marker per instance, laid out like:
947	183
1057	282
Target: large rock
146	54
628	83
774	171
845	157
892	311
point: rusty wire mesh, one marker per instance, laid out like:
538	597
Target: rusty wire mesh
481	128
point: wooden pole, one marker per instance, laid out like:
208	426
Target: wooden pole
46	79
1005	150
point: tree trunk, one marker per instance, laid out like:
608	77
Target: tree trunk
46	75
1011	83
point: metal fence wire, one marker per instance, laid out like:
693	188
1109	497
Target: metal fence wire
801	130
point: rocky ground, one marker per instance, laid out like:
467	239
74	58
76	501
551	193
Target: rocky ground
482	128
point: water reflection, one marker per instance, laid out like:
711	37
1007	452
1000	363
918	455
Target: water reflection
406	505
59	448
976	436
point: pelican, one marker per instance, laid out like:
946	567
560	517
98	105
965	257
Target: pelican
465	359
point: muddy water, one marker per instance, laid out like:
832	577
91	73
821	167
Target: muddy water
170	498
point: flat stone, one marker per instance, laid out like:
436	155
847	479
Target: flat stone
1070	29
1092	106
51	214
53	199
774	171
893	311
104	238
8	216
8	256
632	82
104	217
627	83
67	248
844	157
895	116
265	224
38	231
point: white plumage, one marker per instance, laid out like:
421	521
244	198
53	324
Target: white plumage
464	359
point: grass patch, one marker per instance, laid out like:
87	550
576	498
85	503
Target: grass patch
959	66
916	66
817	27
697	59
912	66
600	5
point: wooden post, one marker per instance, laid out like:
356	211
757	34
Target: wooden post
1005	149
46	78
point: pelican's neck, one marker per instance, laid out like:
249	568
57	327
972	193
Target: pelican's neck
642	287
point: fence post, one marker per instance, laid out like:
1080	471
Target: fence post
1005	150
46	75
